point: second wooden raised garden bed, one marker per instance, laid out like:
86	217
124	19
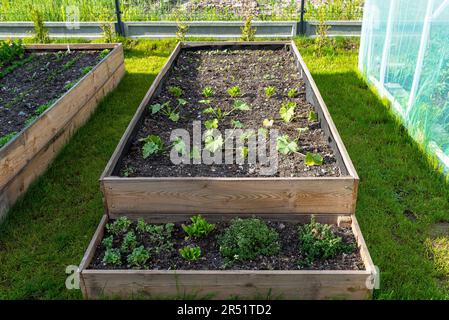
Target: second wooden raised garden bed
42	103
133	185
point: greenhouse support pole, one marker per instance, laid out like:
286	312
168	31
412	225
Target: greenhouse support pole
420	58
119	26
387	43
302	24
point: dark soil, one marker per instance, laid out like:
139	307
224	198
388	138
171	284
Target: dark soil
290	257
42	80
252	70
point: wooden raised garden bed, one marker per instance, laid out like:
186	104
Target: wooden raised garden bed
133	185
55	92
350	276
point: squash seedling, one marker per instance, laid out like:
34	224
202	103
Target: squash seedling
234	92
167	110
211	124
198	228
312	117
208	92
313	159
152	145
175	91
287	111
220	115
286	146
236	124
269	91
190	253
292	93
267	123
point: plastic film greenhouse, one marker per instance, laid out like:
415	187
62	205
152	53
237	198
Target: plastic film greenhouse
404	52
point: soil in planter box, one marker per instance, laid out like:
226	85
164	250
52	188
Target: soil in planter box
289	258
28	90
252	70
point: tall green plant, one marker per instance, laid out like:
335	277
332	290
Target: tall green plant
248	31
321	40
41	34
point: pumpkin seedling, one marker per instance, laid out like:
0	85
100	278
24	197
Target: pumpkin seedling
167	109
138	257
286	146
292	93
112	257
313	117
208	92
269	91
234	92
237	124
198	228
213	143
211	124
153	145
190	253
313	159
287	111
268	123
175	91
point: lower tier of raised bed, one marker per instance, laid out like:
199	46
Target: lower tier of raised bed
354	280
91	72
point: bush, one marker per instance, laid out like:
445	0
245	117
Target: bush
317	241
246	239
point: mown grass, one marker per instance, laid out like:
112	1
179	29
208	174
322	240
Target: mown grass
400	196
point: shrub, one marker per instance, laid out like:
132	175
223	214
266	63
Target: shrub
317	241
199	227
246	239
190	253
138	257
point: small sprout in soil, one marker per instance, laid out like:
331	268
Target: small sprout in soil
153	145
180	146
286	146
129	242
138	257
244	151
268	123
175	91
69	85
119	226
5	139
204	101
292	93
269	91
313	159
234	91
237	124
317	241
211	124
128	171
107	242
167	110
208	92
246	239
198	228
190	253
41	109
302	130
195	153
241	106
112	257
287	111
246	135
86	70
213	143
30	120
263	132
104	53
313	117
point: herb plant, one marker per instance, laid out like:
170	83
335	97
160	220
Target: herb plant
234	92
287	111
112	257
292	93
129	242
208	92
138	257
121	225
269	91
246	239
198	228
160	236
190	253
312	117
108	242
286	146
175	91
313	159
317	241
152	145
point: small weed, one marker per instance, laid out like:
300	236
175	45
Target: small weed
292	93
175	91
269	91
5	139
208	92
86	70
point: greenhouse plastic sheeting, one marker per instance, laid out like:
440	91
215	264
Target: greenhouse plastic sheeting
404	53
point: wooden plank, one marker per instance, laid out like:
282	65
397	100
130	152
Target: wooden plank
39	162
229	195
222	284
73	46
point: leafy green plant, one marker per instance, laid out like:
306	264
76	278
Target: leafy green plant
41	34
248	31
246	239
86	70
152	145
190	253
121	225
180	146
129	242
213	143
268	123
211	124
237	124
313	159
317	241
234	92
138	257
6	138
269	91
108	242
112	257
292	93
167	110
208	92
11	51
198	228
160	236
42	108
128	171
175	91
104	53
220	115
287	111
312	117
286	146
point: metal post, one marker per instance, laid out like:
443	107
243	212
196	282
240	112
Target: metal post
119	25
302	24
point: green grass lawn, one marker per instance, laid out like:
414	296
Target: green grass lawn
400	196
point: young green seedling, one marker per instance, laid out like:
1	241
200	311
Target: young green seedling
313	159
152	145
112	257
190	253
292	93
119	226
198	228
175	91
208	92
286	146
129	242
167	110
234	92
269	91
138	257
312	117
287	111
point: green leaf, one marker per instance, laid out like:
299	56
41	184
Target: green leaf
212	143
211	124
267	123
246	135
174	116
237	124
244	152
179	146
209	110
312	159
195	153
287	111
312	116
155	108
285	145
242	106
149	149
204	101
182	102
